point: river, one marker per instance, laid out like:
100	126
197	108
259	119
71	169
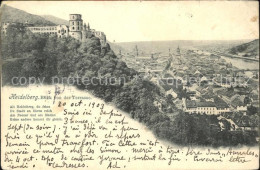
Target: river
236	62
242	64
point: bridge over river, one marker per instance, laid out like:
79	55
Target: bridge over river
234	56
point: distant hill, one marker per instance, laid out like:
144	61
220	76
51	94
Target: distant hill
151	46
164	46
10	14
250	49
55	20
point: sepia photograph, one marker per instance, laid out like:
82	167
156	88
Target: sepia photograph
129	84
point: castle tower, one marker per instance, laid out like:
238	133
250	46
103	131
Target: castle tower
75	26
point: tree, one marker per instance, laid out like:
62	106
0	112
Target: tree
247	100
251	110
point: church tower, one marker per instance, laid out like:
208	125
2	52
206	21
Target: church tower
178	51
75	26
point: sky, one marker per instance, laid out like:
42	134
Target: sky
126	21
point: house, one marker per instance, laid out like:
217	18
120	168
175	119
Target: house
208	98
200	90
237	103
185	68
222	108
204	78
173	93
209	108
4	27
223	82
158	104
240	74
241	108
240	82
192	106
192	95
245	124
255	100
198	74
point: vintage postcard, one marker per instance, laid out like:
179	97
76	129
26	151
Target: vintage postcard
129	85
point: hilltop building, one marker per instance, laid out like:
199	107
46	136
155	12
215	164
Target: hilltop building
76	29
4	26
59	30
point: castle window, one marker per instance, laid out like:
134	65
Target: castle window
78	28
65	31
72	23
72	28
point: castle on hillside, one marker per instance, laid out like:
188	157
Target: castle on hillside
76	29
